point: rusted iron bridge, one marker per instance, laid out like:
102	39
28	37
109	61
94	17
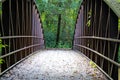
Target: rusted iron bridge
96	33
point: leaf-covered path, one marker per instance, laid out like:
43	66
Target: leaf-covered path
54	65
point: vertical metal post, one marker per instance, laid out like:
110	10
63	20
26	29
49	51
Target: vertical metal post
22	24
118	73
118	47
17	29
85	20
30	30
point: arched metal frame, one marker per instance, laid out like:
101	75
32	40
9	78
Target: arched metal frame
21	30
100	40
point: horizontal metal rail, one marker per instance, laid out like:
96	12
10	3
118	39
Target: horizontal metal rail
19	50
110	60
99	38
9	37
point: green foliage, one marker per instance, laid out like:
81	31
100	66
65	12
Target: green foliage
49	10
88	23
50	39
89	18
118	1
2	61
119	25
119	54
92	64
1	46
63	45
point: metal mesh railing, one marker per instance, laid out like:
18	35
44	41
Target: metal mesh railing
20	31
97	35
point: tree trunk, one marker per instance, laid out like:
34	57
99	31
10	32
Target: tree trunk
58	30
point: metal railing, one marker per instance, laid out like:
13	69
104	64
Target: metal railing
97	35
21	32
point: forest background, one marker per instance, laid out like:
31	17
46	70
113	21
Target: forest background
58	21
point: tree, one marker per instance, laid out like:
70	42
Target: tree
58	29
58	18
